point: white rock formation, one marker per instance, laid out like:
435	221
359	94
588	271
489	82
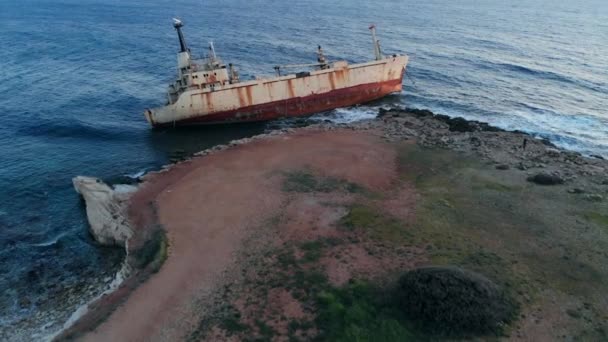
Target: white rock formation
106	209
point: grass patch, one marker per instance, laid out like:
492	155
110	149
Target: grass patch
265	332
306	181
597	218
359	312
312	250
484	184
153	252
231	322
377	225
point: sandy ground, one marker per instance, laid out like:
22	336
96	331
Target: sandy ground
209	205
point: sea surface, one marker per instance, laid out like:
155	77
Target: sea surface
76	75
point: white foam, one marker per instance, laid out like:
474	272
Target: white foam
347	115
49	242
119	278
138	174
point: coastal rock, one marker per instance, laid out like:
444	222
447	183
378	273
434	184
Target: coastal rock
105	209
576	191
546	179
594	197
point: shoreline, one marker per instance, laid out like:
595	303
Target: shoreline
393	125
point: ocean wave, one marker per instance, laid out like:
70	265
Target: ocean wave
347	115
51	242
529	71
74	130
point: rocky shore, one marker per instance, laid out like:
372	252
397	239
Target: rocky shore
253	234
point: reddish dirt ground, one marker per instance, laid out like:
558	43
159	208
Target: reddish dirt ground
251	228
208	205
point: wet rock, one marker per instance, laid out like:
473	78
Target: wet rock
453	301
420	113
552	152
576	191
475	141
546	179
594	197
502	167
106	210
547	142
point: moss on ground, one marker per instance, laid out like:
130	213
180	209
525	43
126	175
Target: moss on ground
597	218
359	311
376	225
153	253
307	181
519	235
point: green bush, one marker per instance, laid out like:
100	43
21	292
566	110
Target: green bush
452	301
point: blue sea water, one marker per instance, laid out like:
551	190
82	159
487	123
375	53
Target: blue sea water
75	76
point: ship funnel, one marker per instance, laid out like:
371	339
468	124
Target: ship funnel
377	52
178	27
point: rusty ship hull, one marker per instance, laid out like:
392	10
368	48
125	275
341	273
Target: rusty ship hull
209	92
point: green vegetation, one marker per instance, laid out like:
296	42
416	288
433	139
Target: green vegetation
231	322
454	302
597	218
377	225
360	312
312	250
154	251
306	181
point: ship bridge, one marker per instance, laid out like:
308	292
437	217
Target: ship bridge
203	73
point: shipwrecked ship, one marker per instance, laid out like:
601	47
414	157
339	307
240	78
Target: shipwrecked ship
209	92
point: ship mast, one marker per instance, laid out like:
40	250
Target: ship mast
178	27
377	52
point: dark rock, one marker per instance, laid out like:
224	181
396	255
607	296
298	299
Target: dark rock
547	142
475	141
502	167
576	191
122	179
594	197
597	156
460	124
455	302
546	179
419	112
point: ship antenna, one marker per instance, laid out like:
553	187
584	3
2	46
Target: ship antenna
178	27
377	52
212	51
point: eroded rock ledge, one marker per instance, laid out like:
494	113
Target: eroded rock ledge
106	210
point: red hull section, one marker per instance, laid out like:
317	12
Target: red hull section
299	106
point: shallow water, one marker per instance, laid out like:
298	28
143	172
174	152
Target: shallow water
75	77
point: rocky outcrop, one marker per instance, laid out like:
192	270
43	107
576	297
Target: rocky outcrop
546	179
106	209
